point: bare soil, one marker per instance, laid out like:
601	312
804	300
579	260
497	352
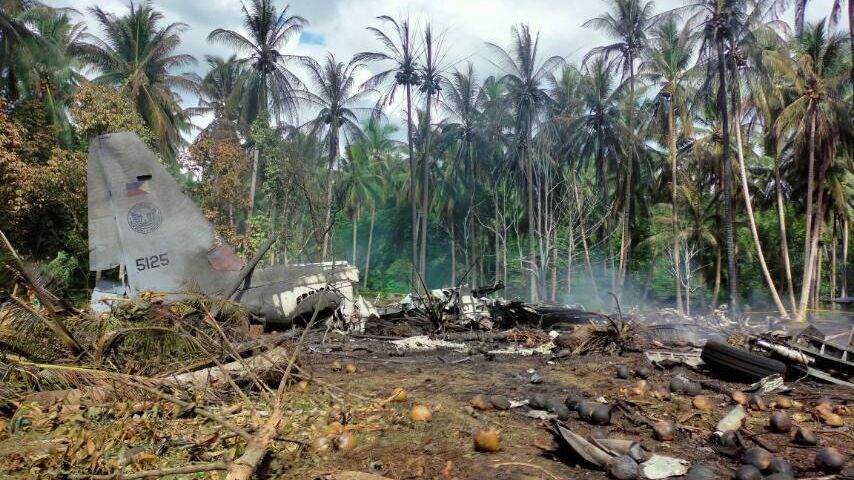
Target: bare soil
147	435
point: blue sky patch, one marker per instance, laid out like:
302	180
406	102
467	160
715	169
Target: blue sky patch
311	38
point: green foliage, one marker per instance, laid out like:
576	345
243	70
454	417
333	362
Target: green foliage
99	109
63	269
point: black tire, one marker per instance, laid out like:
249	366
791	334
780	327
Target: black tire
727	359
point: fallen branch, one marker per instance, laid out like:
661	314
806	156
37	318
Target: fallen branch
199	467
256	449
212	376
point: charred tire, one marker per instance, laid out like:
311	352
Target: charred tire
740	362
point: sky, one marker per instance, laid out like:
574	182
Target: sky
338	26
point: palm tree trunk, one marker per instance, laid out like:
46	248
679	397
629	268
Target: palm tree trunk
732	279
453	255
370	244
497	237
749	207
425	197
833	243
412	190
587	262
716	291
808	260
330	187
532	234
570	245
554	267
671	145
819	262
844	255
253	182
626	237
355	233
784	242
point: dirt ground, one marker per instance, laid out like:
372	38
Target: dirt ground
445	382
153	434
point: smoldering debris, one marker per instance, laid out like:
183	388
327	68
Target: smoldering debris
165	386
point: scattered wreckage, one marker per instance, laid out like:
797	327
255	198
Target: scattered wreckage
141	222
683	384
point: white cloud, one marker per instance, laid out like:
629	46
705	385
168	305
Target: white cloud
466	24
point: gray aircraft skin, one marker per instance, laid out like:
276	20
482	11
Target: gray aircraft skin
141	220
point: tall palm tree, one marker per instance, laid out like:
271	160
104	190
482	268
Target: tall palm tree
362	179
461	95
53	67
628	23
430	74
742	42
817	77
599	128
402	53
139	56
220	94
525	79
271	87
16	42
715	21
667	66
335	94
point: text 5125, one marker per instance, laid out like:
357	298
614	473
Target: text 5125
153	261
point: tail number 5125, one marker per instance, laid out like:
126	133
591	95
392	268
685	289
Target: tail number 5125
153	261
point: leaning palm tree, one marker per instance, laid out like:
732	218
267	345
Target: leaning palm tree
628	23
816	77
139	56
525	79
402	53
335	94
272	83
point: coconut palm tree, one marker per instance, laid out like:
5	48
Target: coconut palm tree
817	77
16	43
220	94
525	80
138	56
714	21
461	93
627	22
599	129
272	84
335	94
361	179
53	68
667	67
402	53
430	73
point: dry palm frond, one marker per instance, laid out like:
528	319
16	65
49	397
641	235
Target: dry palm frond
617	337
